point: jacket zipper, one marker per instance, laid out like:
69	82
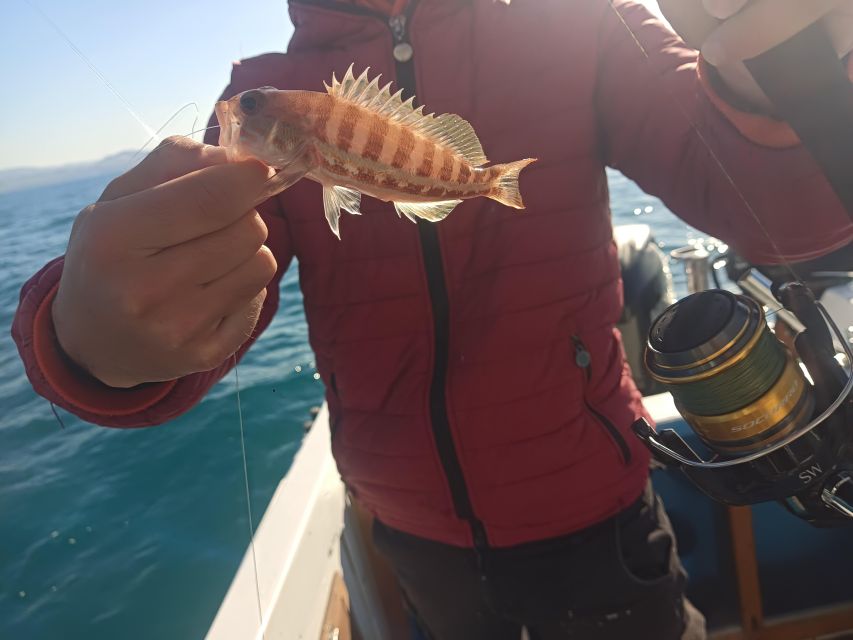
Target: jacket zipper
434	267
584	360
439	301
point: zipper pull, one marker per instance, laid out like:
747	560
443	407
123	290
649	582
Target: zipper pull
582	357
398	26
403	51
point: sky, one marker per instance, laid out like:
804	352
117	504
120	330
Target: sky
158	54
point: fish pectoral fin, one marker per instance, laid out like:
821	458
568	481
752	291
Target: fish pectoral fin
432	211
289	169
281	180
286	178
336	198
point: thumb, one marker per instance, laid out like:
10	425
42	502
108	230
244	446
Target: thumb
174	157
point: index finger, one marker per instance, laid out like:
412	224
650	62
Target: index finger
190	206
174	157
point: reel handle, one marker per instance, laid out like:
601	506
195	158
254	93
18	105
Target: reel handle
814	345
837	493
810	88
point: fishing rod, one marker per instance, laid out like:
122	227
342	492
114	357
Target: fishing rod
774	421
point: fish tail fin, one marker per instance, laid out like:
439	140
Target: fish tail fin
505	188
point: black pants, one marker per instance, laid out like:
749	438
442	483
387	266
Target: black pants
618	579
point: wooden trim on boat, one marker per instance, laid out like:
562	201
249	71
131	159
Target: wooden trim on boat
383	576
817	623
805	625
746	569
336	622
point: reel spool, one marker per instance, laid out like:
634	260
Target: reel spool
734	383
771	432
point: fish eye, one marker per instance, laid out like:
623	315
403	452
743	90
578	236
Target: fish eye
251	101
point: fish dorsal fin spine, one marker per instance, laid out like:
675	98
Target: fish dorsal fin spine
447	129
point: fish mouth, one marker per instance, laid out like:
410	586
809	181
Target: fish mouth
228	126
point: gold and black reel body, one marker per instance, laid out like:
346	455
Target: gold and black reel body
746	396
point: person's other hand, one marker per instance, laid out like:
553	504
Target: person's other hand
727	32
165	275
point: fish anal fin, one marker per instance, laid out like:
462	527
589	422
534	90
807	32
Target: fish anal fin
432	211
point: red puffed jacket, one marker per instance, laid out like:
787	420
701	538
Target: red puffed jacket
477	388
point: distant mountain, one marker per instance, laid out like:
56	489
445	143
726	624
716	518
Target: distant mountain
28	177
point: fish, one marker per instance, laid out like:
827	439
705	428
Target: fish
358	138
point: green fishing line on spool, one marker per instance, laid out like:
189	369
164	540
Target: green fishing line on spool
737	386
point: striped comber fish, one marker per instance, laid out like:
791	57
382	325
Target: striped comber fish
357	138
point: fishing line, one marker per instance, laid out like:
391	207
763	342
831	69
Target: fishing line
192	133
157	133
165	144
737	386
177	138
95	70
56	415
248	498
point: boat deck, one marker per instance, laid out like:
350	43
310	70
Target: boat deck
754	572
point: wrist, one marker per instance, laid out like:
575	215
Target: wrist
72	358
61	345
65	381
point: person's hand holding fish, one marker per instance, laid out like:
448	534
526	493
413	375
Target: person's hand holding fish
165	275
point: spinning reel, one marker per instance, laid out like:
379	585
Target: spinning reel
776	420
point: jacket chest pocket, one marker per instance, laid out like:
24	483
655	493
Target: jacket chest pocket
583	359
